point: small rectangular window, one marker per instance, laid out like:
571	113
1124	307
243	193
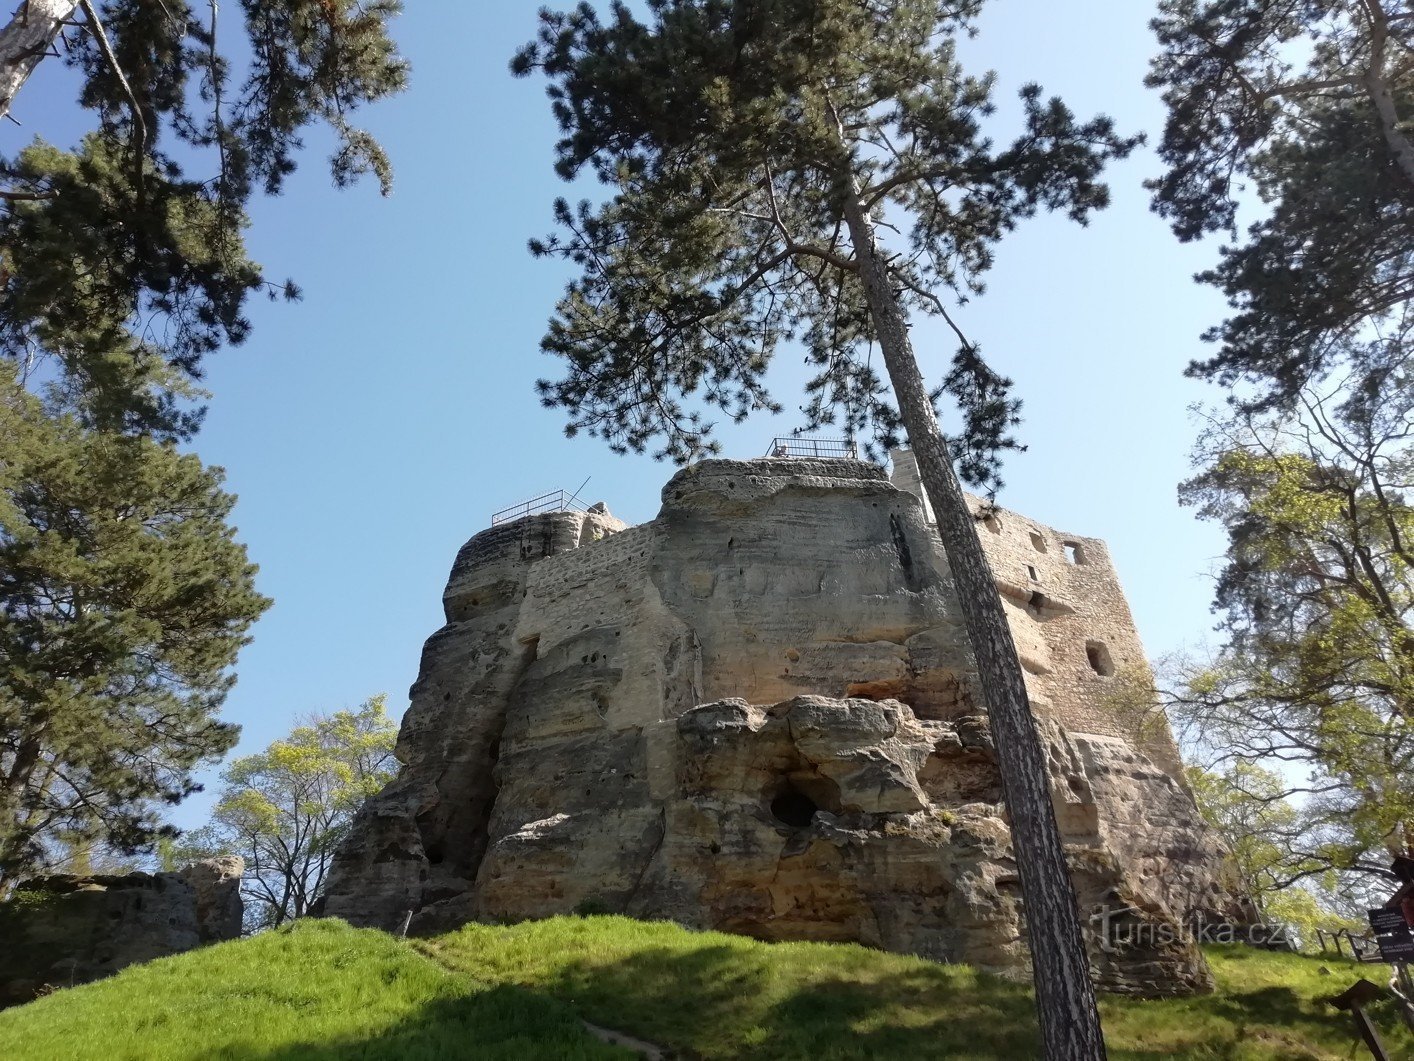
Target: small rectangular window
1038	542
1074	552
1032	572
1099	657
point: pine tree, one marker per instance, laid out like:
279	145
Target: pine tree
122	259
29	36
752	149
1306	105
124	599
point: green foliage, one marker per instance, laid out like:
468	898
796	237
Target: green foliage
1317	593
1263	830
1301	103
1247	805
124	258
284	810
124	598
319	989
730	136
1132	702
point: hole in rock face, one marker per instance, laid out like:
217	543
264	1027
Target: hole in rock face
794	800
793	807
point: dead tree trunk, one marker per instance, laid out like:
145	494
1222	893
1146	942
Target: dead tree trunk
1065	997
26	40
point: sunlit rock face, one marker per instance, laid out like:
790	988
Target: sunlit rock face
759	713
69	929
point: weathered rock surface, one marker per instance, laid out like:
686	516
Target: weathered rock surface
64	930
216	884
759	713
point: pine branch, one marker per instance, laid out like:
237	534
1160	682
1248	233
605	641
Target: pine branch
139	141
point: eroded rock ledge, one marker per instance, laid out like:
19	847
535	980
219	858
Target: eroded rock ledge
69	929
759	713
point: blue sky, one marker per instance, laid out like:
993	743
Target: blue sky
372	428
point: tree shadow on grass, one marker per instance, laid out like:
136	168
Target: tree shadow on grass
724	1002
501	1023
1283	1008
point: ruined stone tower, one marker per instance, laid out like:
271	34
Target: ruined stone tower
759	713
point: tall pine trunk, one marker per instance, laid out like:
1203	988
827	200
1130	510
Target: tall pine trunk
26	40
1065	997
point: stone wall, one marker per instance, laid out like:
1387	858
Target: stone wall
64	930
1085	666
759	712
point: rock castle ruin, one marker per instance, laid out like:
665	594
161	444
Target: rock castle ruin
759	713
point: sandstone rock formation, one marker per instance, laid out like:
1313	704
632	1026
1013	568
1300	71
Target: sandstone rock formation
216	887
759	713
64	930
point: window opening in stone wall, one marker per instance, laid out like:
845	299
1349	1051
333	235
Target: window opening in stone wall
1032	572
992	523
1038	541
1099	657
1037	603
1074	552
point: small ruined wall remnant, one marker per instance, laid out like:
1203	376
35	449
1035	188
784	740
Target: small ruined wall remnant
760	713
64	930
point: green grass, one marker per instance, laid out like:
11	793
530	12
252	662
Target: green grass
316	992
323	991
1265	1007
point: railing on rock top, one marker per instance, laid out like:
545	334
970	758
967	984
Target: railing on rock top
554	501
827	448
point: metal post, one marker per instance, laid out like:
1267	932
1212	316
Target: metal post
1367	1032
1406	993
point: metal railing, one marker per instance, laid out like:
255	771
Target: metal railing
554	501
1363	948
828	448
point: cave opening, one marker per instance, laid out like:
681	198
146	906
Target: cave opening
793	807
794	800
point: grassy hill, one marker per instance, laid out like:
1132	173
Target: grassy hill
321	991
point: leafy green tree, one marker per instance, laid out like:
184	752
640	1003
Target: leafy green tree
1247	804
751	150
124	599
1307	105
284	810
1264	830
1317	595
122	259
